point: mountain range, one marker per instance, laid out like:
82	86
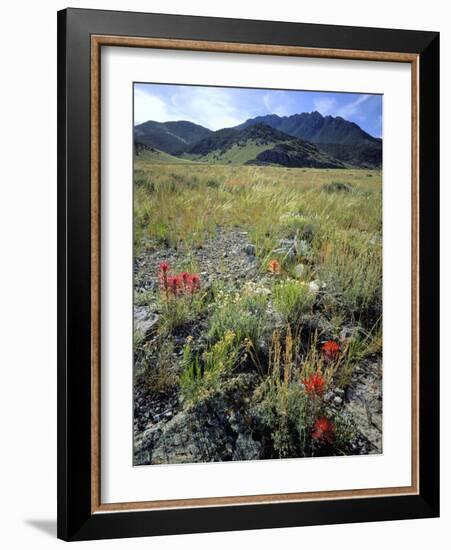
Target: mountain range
299	140
170	137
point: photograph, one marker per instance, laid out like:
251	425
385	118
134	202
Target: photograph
257	274
248	252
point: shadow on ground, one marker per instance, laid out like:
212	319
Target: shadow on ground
46	526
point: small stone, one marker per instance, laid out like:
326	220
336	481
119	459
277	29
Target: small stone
249	249
328	396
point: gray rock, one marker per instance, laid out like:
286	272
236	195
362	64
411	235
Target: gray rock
364	403
328	396
189	438
214	429
246	448
144	320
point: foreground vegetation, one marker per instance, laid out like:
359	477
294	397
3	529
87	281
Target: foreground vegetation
290	326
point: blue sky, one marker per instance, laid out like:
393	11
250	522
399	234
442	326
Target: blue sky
215	107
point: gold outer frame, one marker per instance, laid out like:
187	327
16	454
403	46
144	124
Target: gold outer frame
97	41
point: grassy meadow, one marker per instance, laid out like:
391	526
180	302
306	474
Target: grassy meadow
263	285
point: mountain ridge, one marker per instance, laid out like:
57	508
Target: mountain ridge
314	127
340	142
170	137
341	138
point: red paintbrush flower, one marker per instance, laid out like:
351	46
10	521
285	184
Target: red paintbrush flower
315	384
185	278
174	284
194	283
182	283
331	350
323	430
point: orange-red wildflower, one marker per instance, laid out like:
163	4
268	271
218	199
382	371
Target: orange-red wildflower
323	430
331	350
315	384
274	266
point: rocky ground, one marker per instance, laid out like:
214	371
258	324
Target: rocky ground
227	255
224	428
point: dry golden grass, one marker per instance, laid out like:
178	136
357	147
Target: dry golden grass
180	205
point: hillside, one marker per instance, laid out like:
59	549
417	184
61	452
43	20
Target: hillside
294	154
259	144
170	137
150	154
336	136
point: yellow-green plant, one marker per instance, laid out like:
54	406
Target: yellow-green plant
244	314
292	298
202	373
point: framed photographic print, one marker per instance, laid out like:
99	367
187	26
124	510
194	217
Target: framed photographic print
248	274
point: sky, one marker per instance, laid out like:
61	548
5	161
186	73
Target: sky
215	107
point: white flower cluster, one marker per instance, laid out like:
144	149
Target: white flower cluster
255	289
316	286
313	286
250	288
225	298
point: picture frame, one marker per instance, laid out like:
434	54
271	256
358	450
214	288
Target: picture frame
81	36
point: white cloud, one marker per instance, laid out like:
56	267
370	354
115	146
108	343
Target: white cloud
275	102
353	108
149	107
211	107
324	105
